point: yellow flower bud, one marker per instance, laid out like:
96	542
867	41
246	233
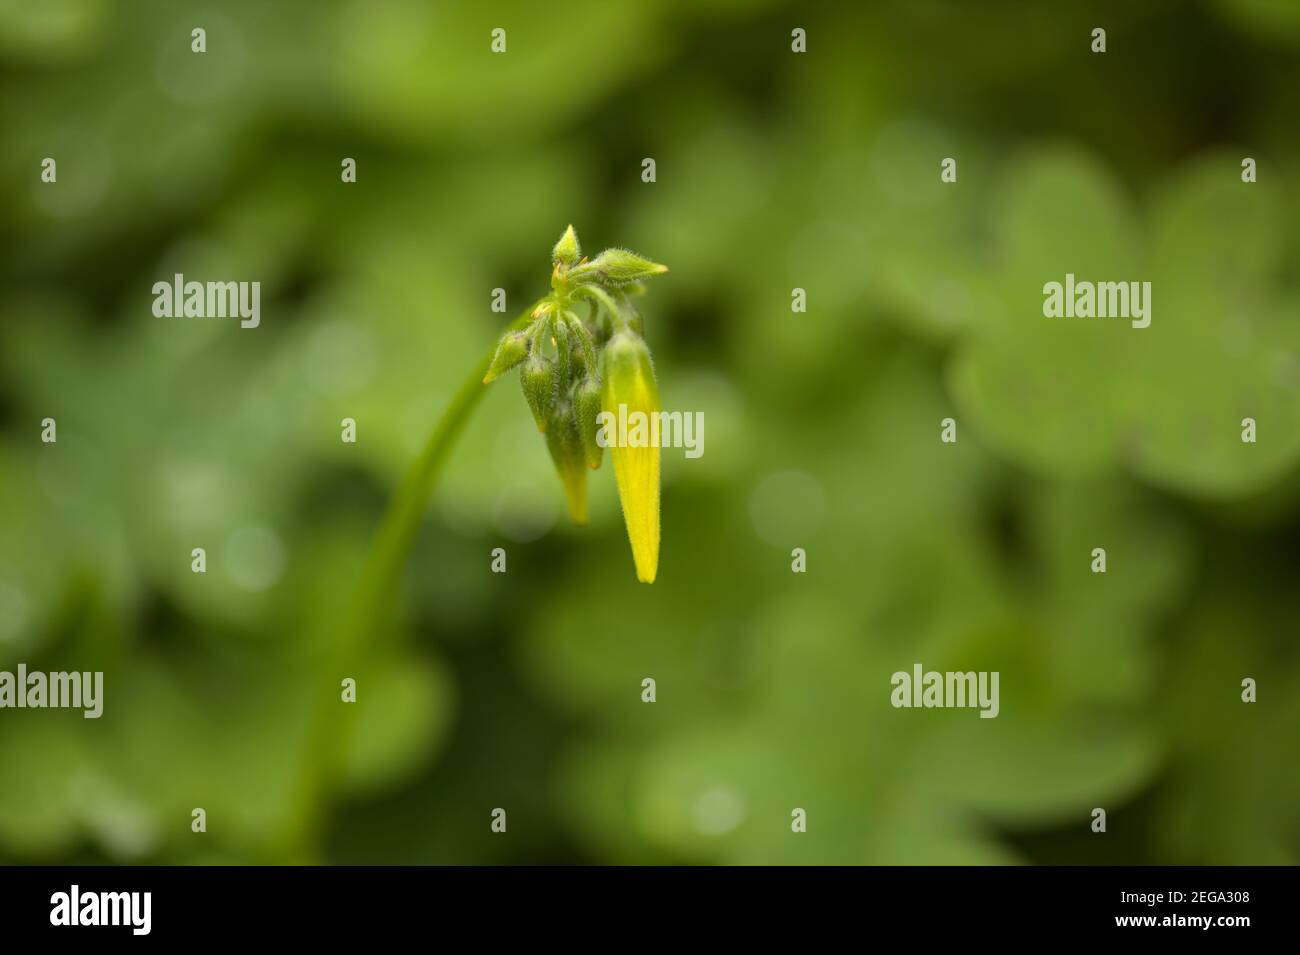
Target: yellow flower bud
629	381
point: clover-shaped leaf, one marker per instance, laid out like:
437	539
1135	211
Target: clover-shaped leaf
1069	396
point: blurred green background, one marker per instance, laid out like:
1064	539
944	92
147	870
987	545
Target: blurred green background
774	170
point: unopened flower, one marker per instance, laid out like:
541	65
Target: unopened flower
567	251
630	388
565	445
586	401
538	380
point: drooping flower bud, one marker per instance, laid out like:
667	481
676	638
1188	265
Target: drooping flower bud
629	392
566	451
563	352
512	349
586	407
538	380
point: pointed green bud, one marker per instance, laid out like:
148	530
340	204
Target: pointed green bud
570	464
620	267
537	377
567	251
586	407
512	349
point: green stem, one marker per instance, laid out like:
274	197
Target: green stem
606	301
371	617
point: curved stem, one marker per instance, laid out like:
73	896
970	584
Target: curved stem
371	612
606	301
